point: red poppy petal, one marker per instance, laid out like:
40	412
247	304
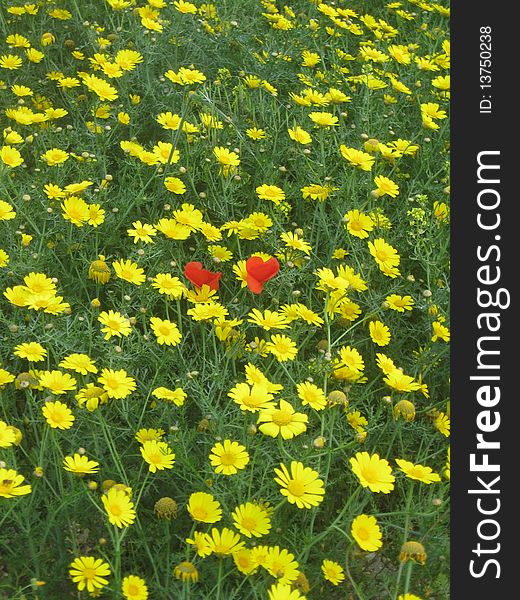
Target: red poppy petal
260	270
194	272
254	285
213	282
200	276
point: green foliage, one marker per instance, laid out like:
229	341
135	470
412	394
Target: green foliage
63	517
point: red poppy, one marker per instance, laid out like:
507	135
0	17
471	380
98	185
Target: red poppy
260	271
200	276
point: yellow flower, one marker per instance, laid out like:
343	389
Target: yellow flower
7	212
10	62
251	519
302	486
256	134
11	157
99	271
358	158
34	56
310	59
300	135
57	382
332	571
251	398
119	508
75	210
89	573
115	324
134	588
379	333
96	215
270	192
171	286
441	211
316	191
80	363
10	484
55	156
174	185
418	472
310	394
324	119
283	421
244	561
280	564
400	382
100	87
47	39
129	271
433	111
7	435
185	7
386	256
399	303
282	347
268	319
32	351
373	472
228	160
117	384
173	230
15	40
80	464
367	533
204	508
228	457
91	396
186	571
440	332
358	224
384	187
165	331
158	455
283	591
225	542
4	257
58	415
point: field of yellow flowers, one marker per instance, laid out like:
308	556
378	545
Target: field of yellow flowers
224	299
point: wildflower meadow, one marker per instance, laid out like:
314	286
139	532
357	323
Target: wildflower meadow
224	299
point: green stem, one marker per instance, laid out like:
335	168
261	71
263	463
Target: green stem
359	595
405	537
219	580
117	558
408	576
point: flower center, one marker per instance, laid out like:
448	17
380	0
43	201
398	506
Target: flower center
115	509
89	573
155	458
249	523
227	458
281	418
199	513
296	488
370	474
164	330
